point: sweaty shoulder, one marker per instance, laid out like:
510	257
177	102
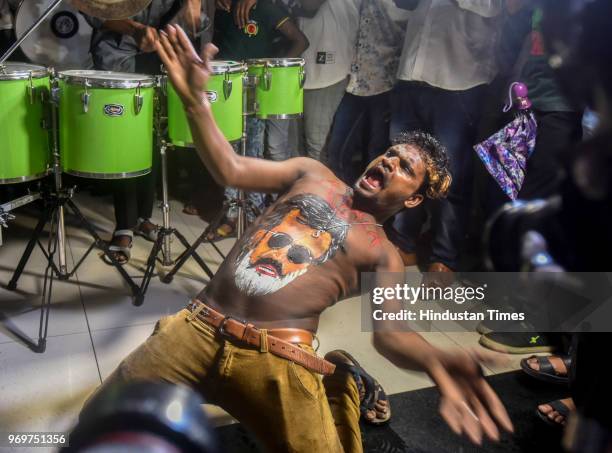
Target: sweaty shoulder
389	259
311	167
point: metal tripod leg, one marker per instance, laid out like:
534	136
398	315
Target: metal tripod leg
42	221
191	250
162	244
104	246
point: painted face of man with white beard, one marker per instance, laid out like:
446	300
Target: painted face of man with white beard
280	255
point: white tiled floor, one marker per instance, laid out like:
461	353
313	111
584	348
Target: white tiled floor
93	323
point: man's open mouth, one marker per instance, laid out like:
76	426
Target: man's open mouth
373	180
268	267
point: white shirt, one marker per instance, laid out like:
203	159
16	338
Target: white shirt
451	44
379	43
332	33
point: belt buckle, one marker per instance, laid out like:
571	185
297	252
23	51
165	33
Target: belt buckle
221	328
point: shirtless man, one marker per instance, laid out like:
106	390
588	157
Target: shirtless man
301	256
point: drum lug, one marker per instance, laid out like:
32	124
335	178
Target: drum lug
85	100
227	88
30	89
138	100
55	94
85	97
267	78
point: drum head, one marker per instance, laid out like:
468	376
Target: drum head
16	71
107	79
61	40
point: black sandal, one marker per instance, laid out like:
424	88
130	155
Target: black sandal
366	384
546	371
559	407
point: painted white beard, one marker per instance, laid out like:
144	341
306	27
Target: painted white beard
253	284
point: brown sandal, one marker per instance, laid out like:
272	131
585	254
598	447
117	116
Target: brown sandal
370	391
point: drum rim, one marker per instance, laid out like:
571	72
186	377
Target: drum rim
276	62
235	67
279	116
146	81
39	73
123	175
18	179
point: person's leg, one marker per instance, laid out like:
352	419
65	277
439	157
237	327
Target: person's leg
125	202
255	129
146	189
256	136
343	398
556	132
346	136
453	120
378	120
405	101
180	350
268	395
277	139
320	106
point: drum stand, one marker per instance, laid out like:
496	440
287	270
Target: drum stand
165	232
53	213
242	204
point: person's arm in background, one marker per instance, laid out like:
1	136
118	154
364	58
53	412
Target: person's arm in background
306	8
145	36
297	40
297	8
484	8
192	17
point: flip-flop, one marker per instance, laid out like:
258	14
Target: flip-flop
547	372
372	390
559	407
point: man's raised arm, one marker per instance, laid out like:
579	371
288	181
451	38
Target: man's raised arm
467	404
189	74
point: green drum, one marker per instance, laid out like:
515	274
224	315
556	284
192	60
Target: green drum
106	123
280	87
24	140
224	92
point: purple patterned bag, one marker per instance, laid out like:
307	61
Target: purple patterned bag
505	153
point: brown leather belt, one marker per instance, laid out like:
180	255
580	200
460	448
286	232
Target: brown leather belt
280	342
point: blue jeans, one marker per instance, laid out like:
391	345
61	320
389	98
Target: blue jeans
360	128
254	148
452	117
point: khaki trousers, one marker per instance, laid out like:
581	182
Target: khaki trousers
287	407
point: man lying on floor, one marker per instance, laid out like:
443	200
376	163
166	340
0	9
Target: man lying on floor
301	256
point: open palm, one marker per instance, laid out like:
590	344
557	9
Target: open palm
188	72
468	404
